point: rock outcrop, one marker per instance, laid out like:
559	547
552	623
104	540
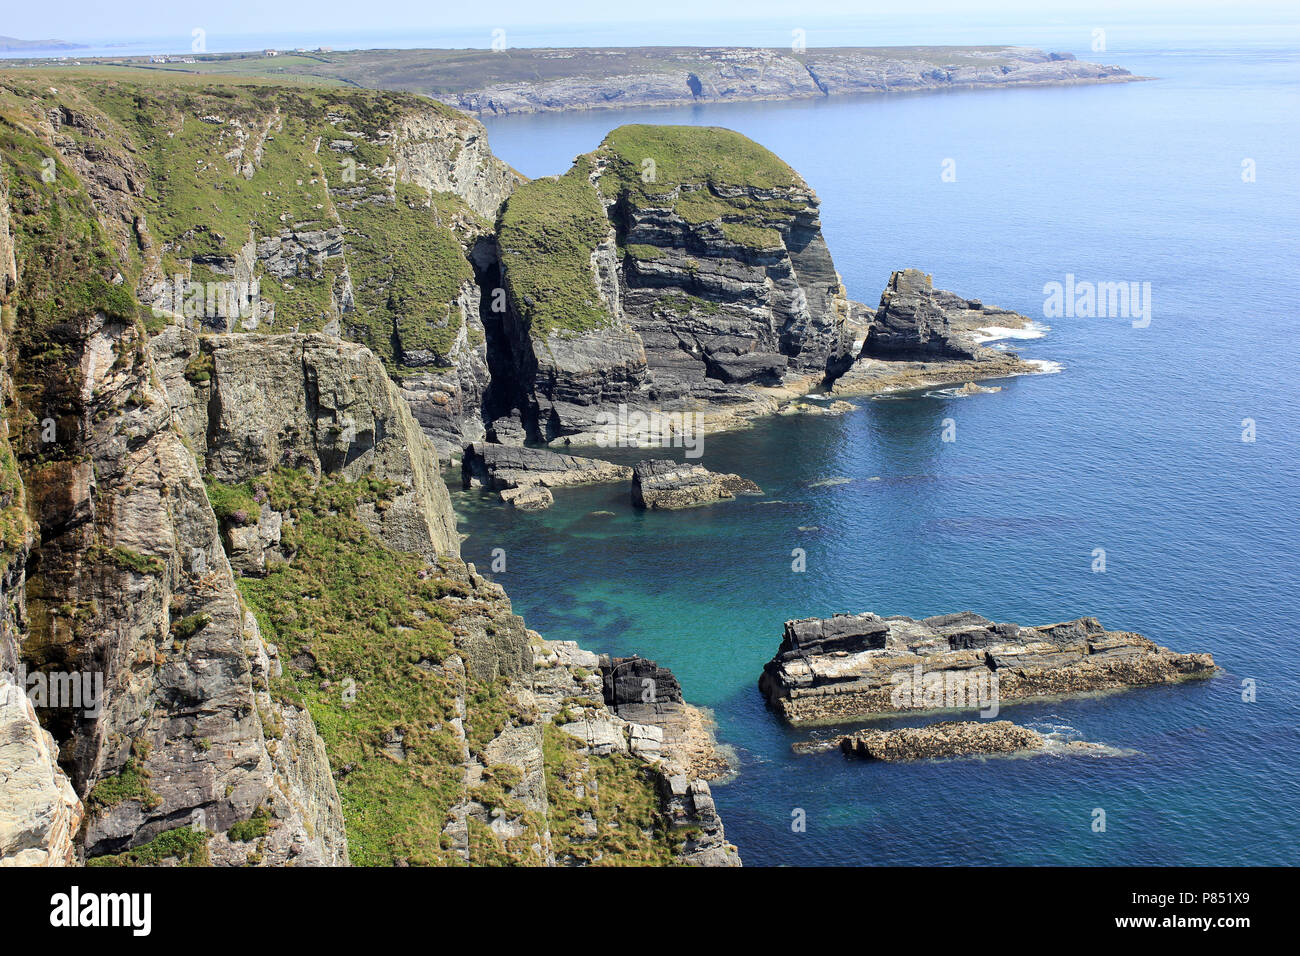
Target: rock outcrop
644	714
685	285
912	323
662	484
308	401
39	811
920	337
524	476
946	739
854	666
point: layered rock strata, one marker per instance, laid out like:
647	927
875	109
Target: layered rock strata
920	337
661	484
507	468
856	666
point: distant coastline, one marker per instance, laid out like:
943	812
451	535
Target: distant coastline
541	80
9	44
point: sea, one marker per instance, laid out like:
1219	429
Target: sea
1149	478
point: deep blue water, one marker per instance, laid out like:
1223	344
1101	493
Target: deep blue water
1135	447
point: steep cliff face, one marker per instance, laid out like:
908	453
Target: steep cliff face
242	538
307	401
673	268
129	600
274	210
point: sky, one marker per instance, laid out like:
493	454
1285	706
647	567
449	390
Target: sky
96	21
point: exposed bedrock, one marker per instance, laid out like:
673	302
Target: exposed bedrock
525	476
679	740
307	401
856	666
689	287
920	336
914	322
969	738
662	484
39	811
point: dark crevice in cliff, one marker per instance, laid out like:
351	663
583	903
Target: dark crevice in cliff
817	80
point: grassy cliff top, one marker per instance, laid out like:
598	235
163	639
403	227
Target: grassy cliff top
548	231
704	174
449	72
662	157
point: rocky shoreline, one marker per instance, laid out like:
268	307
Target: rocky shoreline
685	76
853	667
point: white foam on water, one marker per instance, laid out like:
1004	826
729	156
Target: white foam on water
992	333
1046	366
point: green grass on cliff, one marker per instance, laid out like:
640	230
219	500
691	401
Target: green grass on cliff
65	262
548	232
231	162
407	269
705	174
360	635
694	154
361	632
184	845
618	795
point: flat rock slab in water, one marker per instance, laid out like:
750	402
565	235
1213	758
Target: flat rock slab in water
663	484
950	738
525	475
853	666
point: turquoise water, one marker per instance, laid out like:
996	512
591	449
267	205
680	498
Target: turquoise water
1135	447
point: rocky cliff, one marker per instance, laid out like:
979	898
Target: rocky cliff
146	666
673	269
229	560
273	209
549	80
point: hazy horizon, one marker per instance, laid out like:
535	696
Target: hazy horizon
399	23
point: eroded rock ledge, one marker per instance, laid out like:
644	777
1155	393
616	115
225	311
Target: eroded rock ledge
855	666
661	484
920	336
524	476
950	738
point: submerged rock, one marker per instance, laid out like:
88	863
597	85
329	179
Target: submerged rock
661	484
950	738
528	497
854	666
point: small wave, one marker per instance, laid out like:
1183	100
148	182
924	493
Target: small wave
1055	728
994	333
826	482
1046	366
